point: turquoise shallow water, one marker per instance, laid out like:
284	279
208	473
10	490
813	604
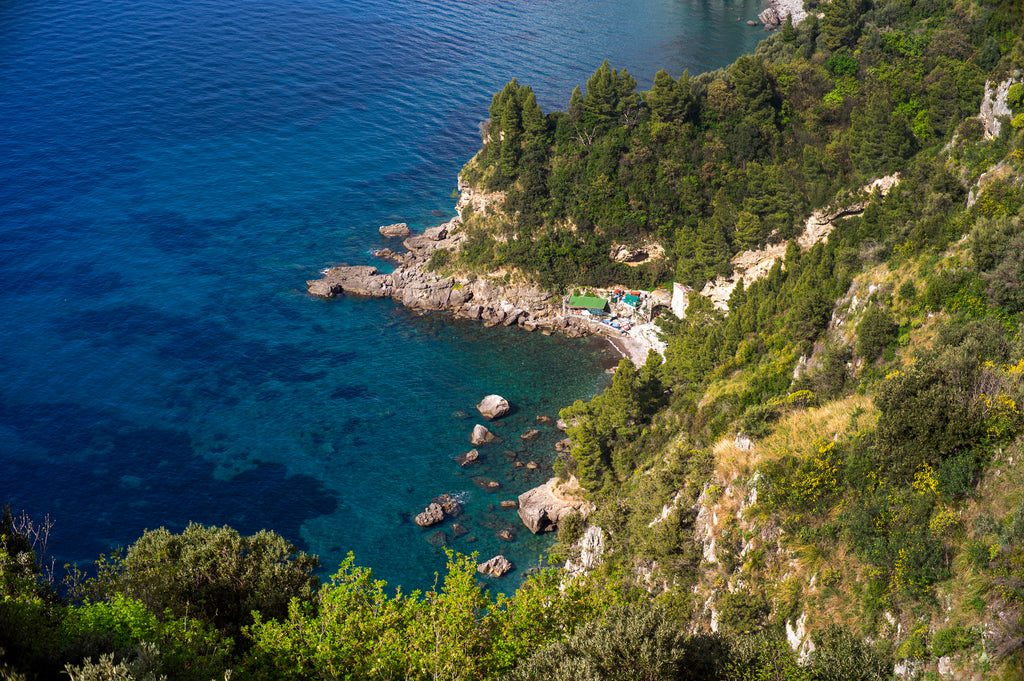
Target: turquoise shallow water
171	174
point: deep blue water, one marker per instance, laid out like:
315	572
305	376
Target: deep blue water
170	175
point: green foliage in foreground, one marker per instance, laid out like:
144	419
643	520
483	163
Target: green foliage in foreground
352	628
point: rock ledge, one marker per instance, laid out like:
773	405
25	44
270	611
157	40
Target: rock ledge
541	508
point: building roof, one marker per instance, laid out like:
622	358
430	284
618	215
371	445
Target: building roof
589	302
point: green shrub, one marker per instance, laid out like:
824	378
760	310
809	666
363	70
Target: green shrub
842	63
743	612
629	642
1015	97
928	412
876	331
908	291
142	665
977	552
915	646
439	259
765	656
952	639
211	573
570	529
840	656
757	419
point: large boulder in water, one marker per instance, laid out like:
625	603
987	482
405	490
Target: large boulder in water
481	436
493	407
431	515
495	567
444	506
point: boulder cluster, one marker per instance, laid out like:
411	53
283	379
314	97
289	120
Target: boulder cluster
440	508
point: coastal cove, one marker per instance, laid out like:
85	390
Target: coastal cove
172	175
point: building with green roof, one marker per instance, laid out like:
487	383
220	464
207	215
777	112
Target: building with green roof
592	303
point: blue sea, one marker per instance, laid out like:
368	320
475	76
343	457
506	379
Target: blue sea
171	173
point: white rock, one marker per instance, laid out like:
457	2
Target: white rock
481	436
495	567
493	407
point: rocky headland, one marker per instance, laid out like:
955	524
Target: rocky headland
481	298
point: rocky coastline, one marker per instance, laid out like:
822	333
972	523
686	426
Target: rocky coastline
480	298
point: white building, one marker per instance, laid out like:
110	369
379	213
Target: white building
680	299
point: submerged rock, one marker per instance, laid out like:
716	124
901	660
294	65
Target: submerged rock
530	435
505	534
487	484
495	567
468	458
493	407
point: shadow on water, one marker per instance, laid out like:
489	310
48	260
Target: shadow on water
115	477
199	344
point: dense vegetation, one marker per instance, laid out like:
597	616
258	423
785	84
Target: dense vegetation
725	161
840	454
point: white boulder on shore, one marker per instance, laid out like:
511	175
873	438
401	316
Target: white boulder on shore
543	507
493	407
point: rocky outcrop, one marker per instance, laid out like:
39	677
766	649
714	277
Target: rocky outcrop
591	552
749	266
364	280
495	567
993	107
636	255
399	229
541	508
493	407
480	298
481	436
431	515
391	256
784	8
770	18
440	508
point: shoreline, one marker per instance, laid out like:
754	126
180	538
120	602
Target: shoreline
638	343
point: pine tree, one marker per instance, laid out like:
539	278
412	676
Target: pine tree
787	32
748	234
